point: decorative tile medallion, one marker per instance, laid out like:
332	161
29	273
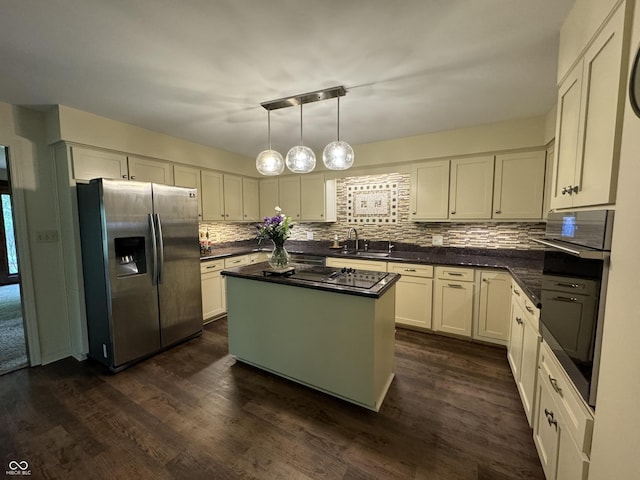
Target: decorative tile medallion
376	203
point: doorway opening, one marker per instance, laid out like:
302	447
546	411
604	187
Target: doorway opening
13	345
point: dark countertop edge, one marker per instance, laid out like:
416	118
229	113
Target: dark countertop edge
249	272
479	261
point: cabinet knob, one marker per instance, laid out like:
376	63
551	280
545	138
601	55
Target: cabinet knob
564	190
498	211
133	177
453	212
125	176
575	189
519	320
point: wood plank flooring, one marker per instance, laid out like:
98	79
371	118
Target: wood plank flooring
452	412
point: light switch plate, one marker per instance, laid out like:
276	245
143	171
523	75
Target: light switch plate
437	240
309	235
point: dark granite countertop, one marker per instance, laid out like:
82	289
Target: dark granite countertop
263	273
524	265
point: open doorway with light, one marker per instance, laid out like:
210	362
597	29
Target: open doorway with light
13	347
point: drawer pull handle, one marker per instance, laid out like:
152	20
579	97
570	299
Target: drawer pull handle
569	285
554	384
516	292
453	285
409	269
529	309
565	299
455	274
211	267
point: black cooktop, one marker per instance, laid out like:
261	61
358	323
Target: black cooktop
348	277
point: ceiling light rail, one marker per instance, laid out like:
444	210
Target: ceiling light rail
338	155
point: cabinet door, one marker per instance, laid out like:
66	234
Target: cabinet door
516	336
212	196
414	301
529	366
567	135
548	179
212	295
189	177
312	198
89	164
453	307
289	194
572	463
596	168
430	191
233	198
250	200
495	307
471	188
547	431
268	197
144	170
519	186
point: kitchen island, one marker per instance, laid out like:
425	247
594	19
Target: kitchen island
327	329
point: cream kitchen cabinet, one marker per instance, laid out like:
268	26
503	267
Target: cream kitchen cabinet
563	423
88	164
371	265
269	199
414	294
146	170
213	289
494	310
430	191
250	200
317	198
453	300
518	191
212	196
289	196
523	348
471	188
589	121
184	176
232	194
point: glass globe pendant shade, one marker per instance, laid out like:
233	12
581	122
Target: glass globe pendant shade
269	162
301	159
338	155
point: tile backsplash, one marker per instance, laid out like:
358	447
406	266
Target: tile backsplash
476	234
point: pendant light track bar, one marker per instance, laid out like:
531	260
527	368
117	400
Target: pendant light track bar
301	99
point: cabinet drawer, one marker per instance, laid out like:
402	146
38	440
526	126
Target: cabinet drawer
371	265
236	261
578	417
454	273
527	305
211	266
411	269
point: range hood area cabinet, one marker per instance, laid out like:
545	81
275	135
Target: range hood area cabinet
591	99
504	187
310	198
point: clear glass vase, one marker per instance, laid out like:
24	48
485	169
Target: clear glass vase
279	259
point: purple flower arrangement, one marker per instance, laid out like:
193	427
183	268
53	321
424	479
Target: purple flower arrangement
276	228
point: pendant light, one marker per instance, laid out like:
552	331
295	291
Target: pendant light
301	159
269	162
338	155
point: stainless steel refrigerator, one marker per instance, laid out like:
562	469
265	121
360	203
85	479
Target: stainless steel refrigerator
141	266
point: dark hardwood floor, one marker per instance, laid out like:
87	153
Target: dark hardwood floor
452	412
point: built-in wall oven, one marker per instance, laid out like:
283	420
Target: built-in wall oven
574	283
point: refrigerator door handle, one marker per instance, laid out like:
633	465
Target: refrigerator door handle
160	249
154	251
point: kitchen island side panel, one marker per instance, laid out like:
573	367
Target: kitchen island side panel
340	344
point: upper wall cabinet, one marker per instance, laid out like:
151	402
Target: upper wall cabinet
250	200
307	198
145	170
471	188
189	177
212	196
289	196
268	197
519	186
232	194
589	121
430	191
88	164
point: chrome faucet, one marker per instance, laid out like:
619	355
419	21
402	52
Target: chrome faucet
352	229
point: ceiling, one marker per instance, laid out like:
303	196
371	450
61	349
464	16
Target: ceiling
199	69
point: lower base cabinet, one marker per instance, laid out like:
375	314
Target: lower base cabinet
414	294
494	307
453	301
214	299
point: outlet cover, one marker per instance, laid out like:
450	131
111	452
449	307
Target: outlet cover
437	240
309	235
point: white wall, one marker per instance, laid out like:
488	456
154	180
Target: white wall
34	195
616	437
